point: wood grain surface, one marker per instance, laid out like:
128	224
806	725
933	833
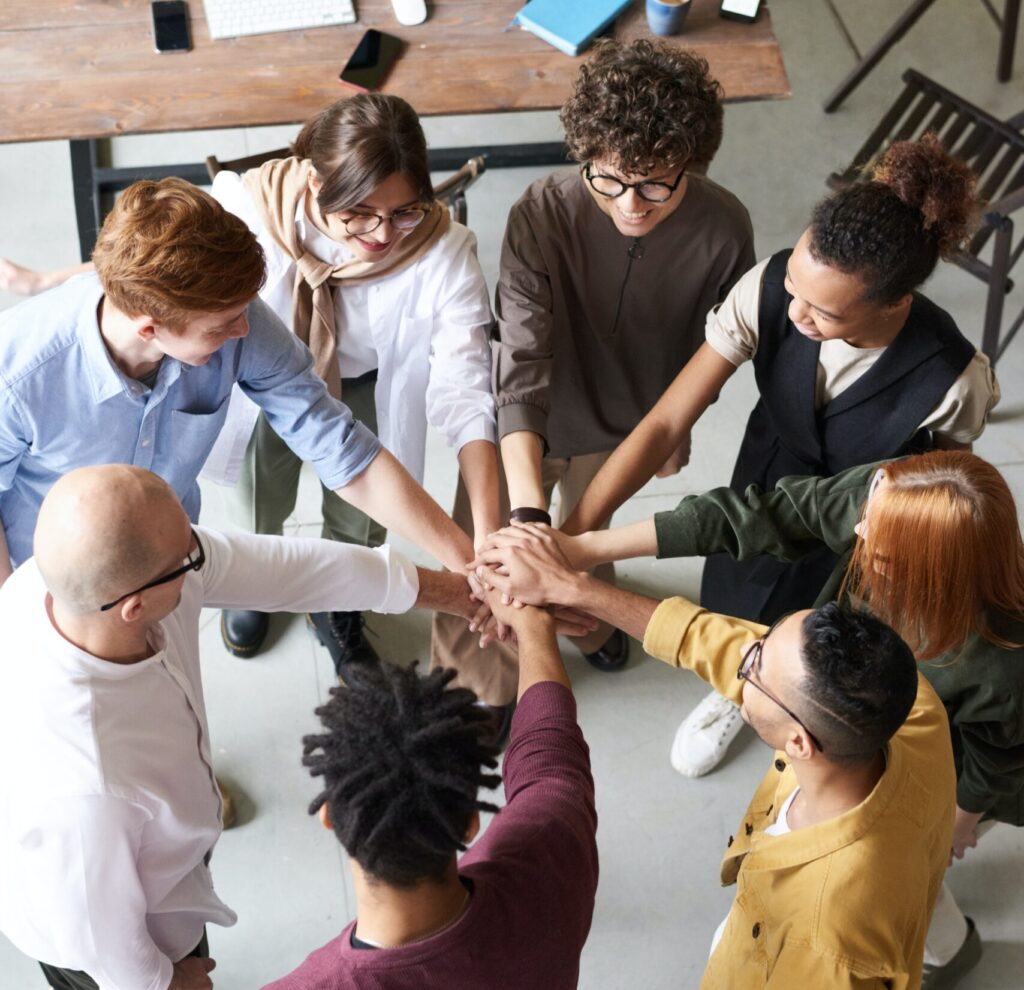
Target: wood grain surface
87	68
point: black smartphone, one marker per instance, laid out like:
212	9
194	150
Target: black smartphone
741	10
170	26
371	61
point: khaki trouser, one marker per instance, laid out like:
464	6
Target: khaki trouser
493	673
269	484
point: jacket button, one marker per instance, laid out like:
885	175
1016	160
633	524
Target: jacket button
780	765
749	828
730	842
756	930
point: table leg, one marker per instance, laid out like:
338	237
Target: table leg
87	200
1008	40
864	67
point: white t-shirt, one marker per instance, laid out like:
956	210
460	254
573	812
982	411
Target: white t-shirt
732	330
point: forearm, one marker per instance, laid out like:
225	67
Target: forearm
27	282
478	465
445	591
5	557
603	546
388	493
539	657
656	437
623	609
521	454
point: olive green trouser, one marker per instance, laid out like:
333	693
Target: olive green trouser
269	484
493	673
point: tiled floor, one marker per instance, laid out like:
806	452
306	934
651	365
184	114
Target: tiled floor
660	835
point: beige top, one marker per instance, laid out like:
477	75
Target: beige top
732	330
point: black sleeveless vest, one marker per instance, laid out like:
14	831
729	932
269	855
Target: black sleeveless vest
877	417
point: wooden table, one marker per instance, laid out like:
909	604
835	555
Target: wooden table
86	69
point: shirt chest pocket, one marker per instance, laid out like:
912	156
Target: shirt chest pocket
192	436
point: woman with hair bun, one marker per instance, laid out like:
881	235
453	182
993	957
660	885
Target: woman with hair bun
852	365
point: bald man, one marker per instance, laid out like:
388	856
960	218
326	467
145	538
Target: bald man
110	808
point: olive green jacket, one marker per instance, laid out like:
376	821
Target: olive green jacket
981	685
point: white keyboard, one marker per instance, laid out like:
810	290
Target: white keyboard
233	18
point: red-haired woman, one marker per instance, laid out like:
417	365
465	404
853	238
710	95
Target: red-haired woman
932	545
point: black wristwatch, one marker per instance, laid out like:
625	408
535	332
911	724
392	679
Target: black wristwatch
528	514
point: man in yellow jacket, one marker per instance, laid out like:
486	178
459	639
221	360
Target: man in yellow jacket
841	853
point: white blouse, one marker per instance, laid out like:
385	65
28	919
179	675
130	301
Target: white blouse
425	329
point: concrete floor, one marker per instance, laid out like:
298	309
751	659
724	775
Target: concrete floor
660	835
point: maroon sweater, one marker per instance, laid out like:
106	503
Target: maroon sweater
533	875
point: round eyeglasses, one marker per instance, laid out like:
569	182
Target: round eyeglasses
367	223
653	192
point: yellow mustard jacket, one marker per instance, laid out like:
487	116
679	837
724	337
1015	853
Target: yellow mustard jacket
844	903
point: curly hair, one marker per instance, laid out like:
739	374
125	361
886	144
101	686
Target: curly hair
642	105
169	250
918	205
860	680
401	760
358	143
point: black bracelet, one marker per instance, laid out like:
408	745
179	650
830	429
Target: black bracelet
527	514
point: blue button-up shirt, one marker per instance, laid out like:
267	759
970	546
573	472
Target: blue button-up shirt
65	404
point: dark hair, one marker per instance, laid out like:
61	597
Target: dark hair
358	143
860	682
643	104
917	206
401	761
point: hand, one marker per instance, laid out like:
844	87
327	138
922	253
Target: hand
20	281
679	459
965	834
190	974
526	563
483	620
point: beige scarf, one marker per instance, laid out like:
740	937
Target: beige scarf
276	189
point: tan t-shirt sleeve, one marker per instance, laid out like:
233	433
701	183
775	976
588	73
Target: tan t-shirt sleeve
963	412
731	327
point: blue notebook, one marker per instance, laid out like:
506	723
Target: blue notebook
569	24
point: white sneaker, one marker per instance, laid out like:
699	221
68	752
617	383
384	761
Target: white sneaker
704	735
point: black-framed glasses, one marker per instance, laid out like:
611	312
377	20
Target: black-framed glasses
193	562
748	661
367	223
653	192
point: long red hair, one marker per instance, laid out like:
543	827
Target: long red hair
943	552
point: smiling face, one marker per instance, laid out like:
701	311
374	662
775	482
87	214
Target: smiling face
394	194
633	215
829	304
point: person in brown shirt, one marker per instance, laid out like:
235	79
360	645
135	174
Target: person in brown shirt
608	272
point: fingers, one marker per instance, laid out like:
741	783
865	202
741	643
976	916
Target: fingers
562	613
480	617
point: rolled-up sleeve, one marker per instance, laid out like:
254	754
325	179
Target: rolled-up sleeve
732	326
964	410
523	347
460	403
276	372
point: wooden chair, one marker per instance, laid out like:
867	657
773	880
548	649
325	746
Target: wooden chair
451	192
994	150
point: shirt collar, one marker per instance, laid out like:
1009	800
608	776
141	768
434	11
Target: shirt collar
316	242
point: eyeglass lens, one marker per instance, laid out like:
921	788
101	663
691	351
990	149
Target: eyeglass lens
367	223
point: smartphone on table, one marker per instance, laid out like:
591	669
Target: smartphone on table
170	26
371	61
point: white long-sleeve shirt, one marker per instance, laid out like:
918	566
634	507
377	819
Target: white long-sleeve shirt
424	328
108	803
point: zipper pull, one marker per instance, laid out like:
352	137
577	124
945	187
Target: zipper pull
636	249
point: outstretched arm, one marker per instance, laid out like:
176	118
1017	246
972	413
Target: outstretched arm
656	438
23	281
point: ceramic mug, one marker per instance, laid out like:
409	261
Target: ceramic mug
665	17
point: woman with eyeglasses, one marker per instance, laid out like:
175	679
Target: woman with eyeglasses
851	364
931	544
366	266
607	271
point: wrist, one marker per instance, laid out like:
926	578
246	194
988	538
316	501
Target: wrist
530	513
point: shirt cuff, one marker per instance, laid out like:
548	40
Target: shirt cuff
677	532
724	347
403	582
479	428
970	800
663	638
360	447
516	416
